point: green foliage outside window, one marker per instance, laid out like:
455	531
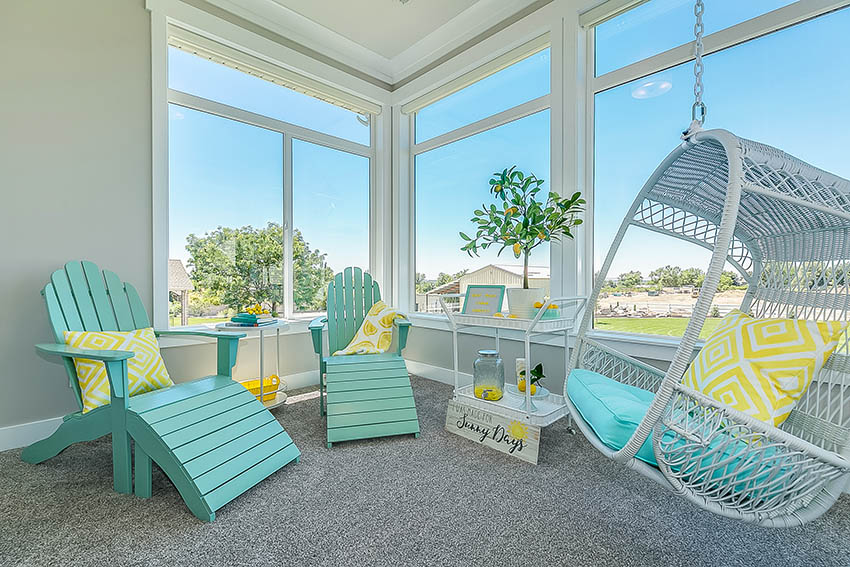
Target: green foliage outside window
244	266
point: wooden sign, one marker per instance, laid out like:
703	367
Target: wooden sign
484	300
509	436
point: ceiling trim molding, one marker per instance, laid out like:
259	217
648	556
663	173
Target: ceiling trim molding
304	35
295	31
500	25
469	24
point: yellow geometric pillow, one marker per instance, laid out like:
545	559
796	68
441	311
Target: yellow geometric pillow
762	367
375	333
145	371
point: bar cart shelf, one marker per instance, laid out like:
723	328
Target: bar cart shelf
538	411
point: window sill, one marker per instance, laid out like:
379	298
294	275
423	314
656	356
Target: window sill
296	327
654	347
640	346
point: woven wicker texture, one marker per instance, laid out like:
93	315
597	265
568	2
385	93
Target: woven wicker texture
785	225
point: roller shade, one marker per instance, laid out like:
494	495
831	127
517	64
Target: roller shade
494	66
224	55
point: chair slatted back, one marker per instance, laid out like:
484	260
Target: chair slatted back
350	296
81	298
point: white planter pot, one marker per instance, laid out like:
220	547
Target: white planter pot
521	301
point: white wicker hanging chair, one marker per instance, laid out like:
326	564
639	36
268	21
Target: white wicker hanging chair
785	226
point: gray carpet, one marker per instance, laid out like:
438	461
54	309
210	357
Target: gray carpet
437	500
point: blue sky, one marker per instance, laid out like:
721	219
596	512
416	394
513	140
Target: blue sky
784	89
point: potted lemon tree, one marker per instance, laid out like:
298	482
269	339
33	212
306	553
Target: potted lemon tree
521	221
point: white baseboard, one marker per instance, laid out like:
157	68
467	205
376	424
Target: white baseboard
302	379
23	434
437	373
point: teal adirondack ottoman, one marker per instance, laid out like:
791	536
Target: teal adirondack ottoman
211	437
363	395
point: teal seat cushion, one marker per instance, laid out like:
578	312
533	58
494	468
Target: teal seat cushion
612	409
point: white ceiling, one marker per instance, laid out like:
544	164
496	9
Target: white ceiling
384	39
386	27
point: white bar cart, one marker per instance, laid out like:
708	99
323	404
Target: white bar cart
539	411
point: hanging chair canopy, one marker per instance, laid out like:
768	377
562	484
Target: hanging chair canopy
792	219
785	225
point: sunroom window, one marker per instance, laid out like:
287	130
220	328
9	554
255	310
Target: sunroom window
269	194
654	280
451	177
331	211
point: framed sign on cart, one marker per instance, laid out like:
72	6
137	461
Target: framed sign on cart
483	300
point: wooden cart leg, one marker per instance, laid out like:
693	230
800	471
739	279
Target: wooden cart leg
143	473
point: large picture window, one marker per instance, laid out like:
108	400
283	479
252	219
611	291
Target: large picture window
451	180
331	219
231	201
654	280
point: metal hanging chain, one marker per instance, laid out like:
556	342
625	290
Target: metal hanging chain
698	110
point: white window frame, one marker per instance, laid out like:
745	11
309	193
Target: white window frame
168	13
536	31
651	346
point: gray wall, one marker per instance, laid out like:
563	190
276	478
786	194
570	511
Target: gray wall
75	175
75	171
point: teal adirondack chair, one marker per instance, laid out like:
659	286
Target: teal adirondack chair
211	436
362	395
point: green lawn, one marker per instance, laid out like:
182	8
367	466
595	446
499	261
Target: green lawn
666	326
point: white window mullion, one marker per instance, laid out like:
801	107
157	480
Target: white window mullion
288	269
381	224
159	158
403	226
559	259
506	116
588	157
247	117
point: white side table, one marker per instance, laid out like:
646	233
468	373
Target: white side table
279	325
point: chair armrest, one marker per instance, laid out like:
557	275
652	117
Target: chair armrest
227	345
66	351
115	362
403	328
316	327
210	333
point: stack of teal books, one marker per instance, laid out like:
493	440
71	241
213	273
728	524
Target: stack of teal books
251	320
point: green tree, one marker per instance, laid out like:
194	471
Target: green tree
243	266
630	279
692	276
668	276
310	274
521	221
728	280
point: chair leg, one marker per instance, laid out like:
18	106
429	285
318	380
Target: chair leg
143	473
73	430
121	461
